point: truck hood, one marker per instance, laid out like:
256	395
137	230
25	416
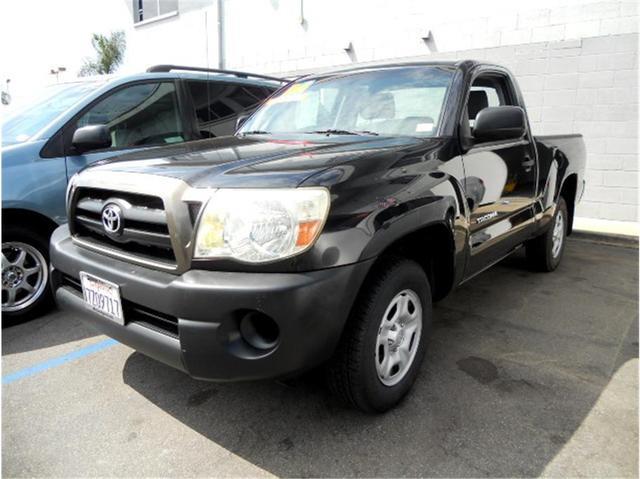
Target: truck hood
256	161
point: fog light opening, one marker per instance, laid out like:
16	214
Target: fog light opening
259	330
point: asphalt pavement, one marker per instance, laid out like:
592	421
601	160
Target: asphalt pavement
527	374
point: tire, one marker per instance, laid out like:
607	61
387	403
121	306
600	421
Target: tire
25	265
544	252
361	372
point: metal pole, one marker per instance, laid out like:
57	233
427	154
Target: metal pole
221	49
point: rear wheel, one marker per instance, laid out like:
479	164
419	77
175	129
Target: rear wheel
25	274
383	345
544	253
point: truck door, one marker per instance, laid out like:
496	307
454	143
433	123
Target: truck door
138	115
500	177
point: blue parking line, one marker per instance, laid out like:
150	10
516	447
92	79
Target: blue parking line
60	360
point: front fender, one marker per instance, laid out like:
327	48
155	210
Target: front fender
33	183
368	219
379	200
393	224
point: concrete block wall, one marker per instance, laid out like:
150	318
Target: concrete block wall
289	35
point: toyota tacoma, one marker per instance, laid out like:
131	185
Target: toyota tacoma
323	230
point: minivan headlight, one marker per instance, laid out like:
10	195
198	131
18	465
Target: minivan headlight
260	225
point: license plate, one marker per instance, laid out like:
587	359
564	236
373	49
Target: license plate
102	296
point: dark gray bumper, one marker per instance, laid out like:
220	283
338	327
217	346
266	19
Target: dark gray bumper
310	310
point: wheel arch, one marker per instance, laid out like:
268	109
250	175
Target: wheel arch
568	191
31	219
432	247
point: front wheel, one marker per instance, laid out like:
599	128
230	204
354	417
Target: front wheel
545	252
25	274
383	344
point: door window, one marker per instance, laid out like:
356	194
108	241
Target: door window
487	91
138	115
217	104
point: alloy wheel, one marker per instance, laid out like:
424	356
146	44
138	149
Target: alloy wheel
24	276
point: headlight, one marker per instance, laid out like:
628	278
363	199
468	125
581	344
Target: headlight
260	225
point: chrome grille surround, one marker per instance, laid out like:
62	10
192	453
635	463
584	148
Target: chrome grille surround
177	198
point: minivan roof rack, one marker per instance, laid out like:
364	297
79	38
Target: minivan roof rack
168	68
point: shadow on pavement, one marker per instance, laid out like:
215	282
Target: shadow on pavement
516	362
54	329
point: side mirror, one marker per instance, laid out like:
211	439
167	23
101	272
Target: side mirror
241	119
91	137
499	123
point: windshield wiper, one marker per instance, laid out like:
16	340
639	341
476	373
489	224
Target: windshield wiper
333	131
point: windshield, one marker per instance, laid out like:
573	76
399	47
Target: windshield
391	101
55	100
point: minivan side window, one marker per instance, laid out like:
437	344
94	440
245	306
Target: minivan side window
217	104
138	115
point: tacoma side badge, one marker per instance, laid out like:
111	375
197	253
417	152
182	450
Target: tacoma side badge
487	217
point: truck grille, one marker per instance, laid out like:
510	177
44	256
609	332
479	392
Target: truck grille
143	231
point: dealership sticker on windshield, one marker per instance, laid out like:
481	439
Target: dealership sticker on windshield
294	93
424	127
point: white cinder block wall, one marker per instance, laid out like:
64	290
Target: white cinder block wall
576	61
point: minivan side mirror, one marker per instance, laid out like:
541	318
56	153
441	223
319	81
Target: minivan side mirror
499	123
241	119
91	137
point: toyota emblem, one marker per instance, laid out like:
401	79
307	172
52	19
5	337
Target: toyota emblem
112	219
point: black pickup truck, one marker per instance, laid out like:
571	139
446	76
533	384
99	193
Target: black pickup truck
323	230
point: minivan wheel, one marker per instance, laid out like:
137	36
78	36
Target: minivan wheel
25	274
383	345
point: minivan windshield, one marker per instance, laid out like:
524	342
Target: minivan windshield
404	100
55	100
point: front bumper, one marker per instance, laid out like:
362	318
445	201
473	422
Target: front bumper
309	308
